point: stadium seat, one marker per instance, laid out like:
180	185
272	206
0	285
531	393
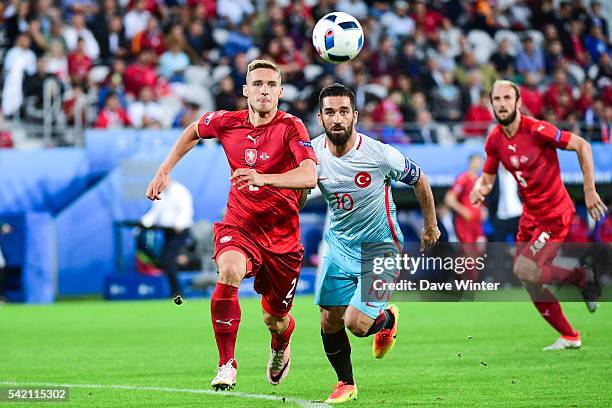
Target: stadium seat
514	41
482	45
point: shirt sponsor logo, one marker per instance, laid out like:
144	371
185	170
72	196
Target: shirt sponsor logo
226	238
250	156
363	179
305	144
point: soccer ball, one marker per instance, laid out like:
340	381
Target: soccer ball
337	37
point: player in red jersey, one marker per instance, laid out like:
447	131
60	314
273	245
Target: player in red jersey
468	216
527	149
272	161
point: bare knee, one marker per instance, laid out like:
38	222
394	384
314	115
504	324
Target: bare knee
232	268
275	324
526	270
332	318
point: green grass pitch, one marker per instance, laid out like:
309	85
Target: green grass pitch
447	355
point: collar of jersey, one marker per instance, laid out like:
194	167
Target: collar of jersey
248	123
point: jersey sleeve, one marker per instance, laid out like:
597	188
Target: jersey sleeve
300	144
492	162
550	134
458	186
209	124
398	167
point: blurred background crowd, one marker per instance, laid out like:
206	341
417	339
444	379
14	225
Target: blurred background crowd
422	77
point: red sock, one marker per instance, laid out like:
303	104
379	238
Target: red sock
550	309
225	315
556	275
281	341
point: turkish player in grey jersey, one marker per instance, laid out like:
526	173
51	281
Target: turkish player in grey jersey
354	175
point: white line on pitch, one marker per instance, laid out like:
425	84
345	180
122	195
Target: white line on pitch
300	402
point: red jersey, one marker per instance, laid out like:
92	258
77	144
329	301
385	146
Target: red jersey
462	187
268	214
531	157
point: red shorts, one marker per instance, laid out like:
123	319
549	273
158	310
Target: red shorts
276	275
540	240
468	231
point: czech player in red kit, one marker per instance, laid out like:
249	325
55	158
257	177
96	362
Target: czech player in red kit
527	148
272	161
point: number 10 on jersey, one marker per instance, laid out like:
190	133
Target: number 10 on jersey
344	201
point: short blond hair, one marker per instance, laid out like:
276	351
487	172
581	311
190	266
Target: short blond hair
258	64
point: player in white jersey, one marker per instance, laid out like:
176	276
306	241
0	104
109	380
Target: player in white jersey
354	175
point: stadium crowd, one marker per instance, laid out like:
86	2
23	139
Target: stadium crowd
422	77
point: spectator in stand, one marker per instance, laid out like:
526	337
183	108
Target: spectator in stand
596	44
199	37
141	74
240	40
597	20
578	52
586	98
468	64
99	25
399	25
146	112
226	98
356	8
114	83
79	63
112	116
57	62
446	100
84	7
18	23
383	59
530	58
173	63
136	19
503	62
478	117
553	58
151	38
407	61
79	30
391	131
533	100
234	11
425	130
18	62
558	96
188	114
426	19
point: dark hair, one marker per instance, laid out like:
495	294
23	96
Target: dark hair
336	89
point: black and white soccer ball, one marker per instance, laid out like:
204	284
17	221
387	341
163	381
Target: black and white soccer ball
337	37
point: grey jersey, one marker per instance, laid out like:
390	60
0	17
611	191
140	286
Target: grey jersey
357	190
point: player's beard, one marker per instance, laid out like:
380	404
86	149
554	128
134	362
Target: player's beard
509	119
339	139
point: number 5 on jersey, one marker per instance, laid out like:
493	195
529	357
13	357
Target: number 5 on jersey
520	178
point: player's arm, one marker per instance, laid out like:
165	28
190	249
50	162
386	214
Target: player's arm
430	233
451	201
188	139
482	188
302	177
594	203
